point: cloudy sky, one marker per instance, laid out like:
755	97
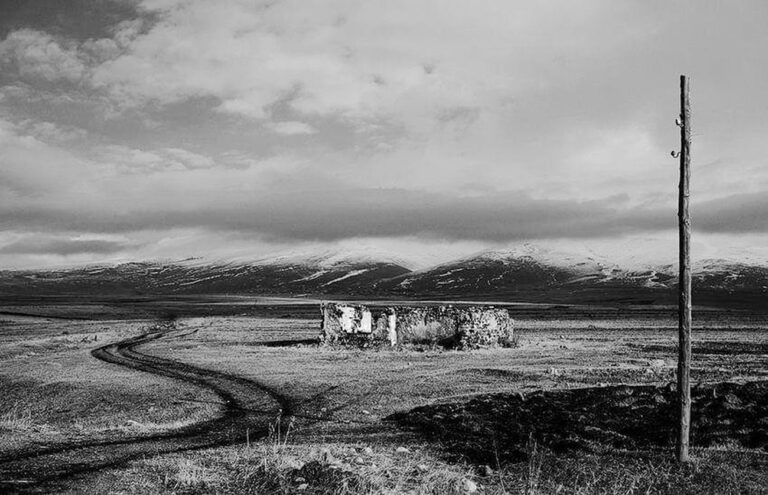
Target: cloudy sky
430	128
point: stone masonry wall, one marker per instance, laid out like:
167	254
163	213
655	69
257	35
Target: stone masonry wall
342	321
466	327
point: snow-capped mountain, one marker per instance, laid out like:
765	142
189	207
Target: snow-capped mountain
487	272
290	274
369	272
730	275
527	266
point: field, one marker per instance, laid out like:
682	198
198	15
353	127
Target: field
234	396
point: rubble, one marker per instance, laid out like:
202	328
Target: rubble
471	327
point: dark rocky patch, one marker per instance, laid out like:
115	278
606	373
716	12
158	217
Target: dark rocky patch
499	426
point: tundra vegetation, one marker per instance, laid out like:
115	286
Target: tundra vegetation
247	401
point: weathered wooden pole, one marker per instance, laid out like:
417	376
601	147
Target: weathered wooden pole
684	303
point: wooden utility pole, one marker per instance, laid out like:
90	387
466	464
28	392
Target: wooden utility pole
684	284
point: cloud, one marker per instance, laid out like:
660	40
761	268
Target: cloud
75	19
32	169
46	60
36	55
48	131
124	189
328	120
189	159
405	61
410	102
62	247
337	214
292	128
137	161
738	213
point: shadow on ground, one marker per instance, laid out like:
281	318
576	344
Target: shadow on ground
497	428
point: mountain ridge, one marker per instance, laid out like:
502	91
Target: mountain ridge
487	272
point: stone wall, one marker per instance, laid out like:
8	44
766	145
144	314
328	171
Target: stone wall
459	327
341	321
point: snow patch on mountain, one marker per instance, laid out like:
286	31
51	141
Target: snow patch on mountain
353	273
326	259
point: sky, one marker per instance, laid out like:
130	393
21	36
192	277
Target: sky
167	129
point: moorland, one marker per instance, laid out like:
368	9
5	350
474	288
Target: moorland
233	394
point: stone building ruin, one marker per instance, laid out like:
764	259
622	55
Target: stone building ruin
470	327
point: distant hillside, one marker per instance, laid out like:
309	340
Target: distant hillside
483	274
278	276
516	273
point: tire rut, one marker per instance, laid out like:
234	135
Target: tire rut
247	406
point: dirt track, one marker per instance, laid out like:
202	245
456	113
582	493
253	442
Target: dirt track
247	407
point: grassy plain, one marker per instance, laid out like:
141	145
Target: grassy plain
342	436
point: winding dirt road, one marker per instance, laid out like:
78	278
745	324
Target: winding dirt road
248	406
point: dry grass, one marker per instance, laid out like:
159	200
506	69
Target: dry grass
533	473
17	418
352	450
189	474
271	467
264	468
638	472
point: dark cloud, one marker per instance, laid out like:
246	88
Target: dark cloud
339	214
327	215
76	19
62	247
734	214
